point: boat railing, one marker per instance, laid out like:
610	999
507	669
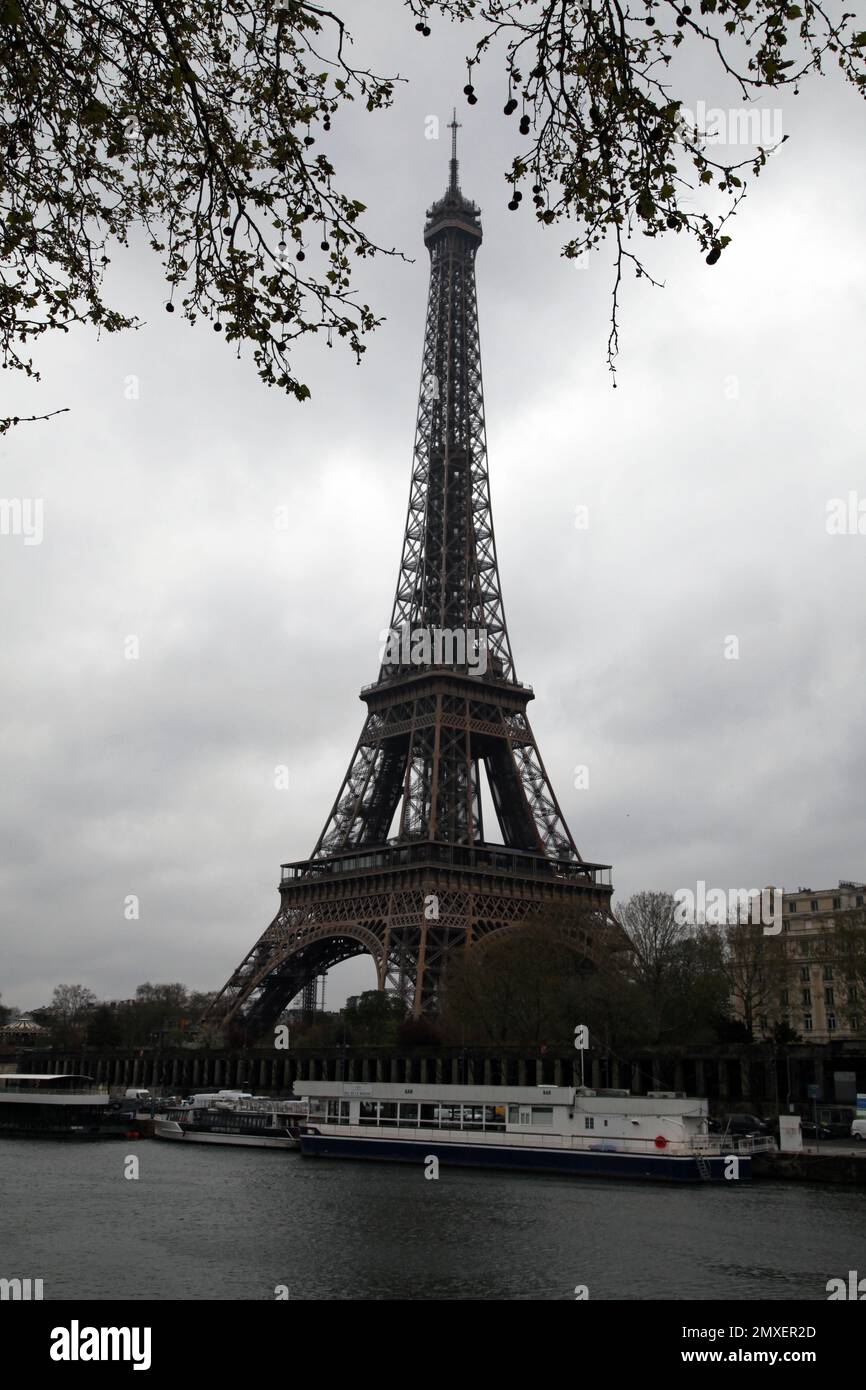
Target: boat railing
733	1143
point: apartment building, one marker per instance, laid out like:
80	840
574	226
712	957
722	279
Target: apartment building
815	994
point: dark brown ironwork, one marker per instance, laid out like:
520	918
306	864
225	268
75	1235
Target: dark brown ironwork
402	869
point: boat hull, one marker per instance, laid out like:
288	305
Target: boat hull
574	1162
170	1129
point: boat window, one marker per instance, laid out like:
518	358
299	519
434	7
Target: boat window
494	1116
317	1109
430	1116
369	1112
387	1112
473	1117
542	1114
449	1116
409	1115
519	1115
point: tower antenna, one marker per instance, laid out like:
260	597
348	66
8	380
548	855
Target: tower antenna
454	126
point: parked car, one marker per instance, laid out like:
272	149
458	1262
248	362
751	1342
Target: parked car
838	1119
809	1129
741	1125
858	1129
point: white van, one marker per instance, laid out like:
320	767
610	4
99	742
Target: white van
136	1093
858	1129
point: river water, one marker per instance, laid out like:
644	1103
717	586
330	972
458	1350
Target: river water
205	1222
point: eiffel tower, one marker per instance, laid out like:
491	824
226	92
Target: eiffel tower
403	869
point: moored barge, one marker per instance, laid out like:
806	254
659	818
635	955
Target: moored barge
662	1136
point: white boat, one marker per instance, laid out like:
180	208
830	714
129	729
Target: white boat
558	1129
59	1105
233	1117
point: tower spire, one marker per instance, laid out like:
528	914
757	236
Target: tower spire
454	126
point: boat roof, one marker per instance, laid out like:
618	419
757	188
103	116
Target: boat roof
44	1076
442	1092
655	1103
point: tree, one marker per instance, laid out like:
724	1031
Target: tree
69	1011
5	1013
757	967
198	125
678	970
372	1017
202	126
159	1013
531	985
610	145
849	956
103	1028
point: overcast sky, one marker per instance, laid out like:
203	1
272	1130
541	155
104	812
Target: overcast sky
707	474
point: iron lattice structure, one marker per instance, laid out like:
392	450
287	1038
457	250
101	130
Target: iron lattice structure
402	869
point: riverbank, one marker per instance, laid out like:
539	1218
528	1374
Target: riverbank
836	1162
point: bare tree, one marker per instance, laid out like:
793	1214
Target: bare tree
757	968
678	969
69	1010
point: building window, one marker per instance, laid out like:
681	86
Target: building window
831	1023
828	972
588	1122
804	946
813	905
807	1023
763	1023
855	1023
806	998
837	902
859	899
786	925
793	907
783	999
828	998
804	972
